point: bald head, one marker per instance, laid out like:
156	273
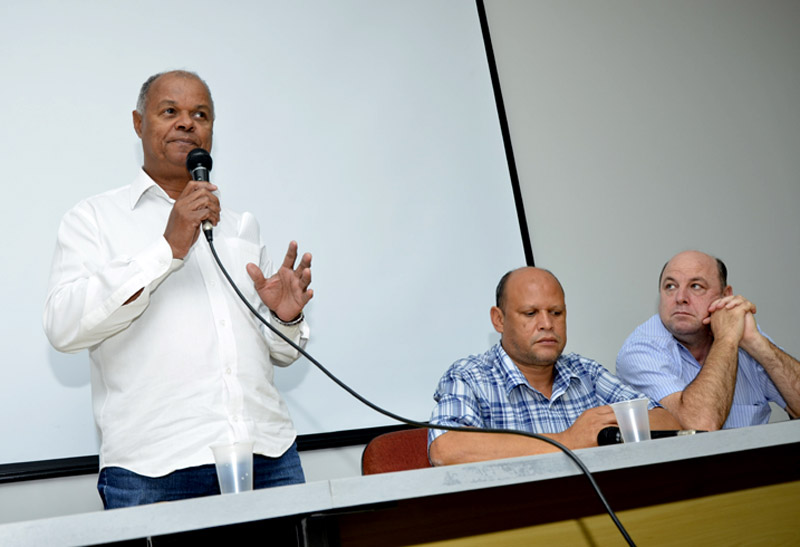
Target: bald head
528	272
699	260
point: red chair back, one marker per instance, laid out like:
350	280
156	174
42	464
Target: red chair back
396	451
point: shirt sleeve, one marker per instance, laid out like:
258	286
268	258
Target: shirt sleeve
88	289
611	389
650	368
456	405
282	353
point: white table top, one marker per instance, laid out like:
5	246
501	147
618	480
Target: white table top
180	516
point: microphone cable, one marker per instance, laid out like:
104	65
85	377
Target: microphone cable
414	423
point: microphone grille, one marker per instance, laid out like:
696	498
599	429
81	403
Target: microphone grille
198	158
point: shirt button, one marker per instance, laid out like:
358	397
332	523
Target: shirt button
222	323
228	370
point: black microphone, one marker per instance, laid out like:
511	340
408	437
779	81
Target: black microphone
198	162
612	435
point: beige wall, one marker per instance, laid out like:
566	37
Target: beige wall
642	128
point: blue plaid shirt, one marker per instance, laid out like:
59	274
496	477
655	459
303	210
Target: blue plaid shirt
489	391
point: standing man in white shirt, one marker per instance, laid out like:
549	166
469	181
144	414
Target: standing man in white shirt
178	363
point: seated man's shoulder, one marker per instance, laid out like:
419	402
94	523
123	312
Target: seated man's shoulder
650	360
484	364
652	327
652	332
580	364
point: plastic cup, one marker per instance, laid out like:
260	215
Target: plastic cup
234	466
633	420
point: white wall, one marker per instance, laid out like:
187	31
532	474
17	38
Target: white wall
365	130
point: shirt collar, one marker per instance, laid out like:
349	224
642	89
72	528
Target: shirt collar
661	330
143	184
511	373
564	373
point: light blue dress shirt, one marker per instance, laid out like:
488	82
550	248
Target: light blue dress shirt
653	361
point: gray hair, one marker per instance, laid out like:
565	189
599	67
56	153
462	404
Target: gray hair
141	101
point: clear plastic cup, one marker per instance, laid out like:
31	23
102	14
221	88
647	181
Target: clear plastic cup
234	466
633	420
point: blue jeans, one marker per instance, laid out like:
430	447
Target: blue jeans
119	487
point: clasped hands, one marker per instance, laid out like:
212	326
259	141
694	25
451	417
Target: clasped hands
733	317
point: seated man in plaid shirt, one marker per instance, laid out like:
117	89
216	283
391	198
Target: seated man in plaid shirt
525	383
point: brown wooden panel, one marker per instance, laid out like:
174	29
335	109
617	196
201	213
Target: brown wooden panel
449	516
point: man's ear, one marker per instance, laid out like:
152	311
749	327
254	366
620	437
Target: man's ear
497	319
137	123
727	291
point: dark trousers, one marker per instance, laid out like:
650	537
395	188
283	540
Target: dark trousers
119	487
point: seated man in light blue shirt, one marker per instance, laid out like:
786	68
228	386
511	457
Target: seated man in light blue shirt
525	383
703	356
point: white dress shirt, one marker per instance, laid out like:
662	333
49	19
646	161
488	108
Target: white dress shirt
185	365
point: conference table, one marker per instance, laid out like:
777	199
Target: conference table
701	488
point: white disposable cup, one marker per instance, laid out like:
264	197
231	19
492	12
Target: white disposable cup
633	420
234	466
